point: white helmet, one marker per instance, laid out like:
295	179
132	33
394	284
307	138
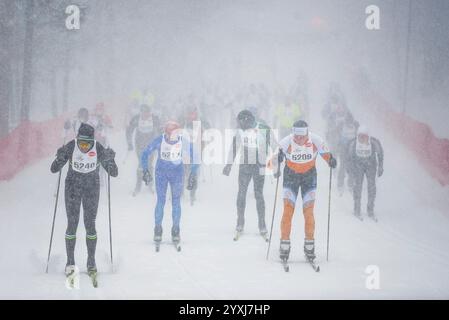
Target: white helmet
363	130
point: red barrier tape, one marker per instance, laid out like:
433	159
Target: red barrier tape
432	152
27	143
32	141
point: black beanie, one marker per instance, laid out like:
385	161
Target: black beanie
246	119
300	124
86	132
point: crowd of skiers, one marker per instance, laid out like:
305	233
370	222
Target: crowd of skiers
166	157
359	153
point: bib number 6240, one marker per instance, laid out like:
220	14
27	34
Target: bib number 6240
81	166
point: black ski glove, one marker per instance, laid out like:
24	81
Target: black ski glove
380	171
193	181
147	177
60	155
281	156
277	174
227	169
109	154
332	162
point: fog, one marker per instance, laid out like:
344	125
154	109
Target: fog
178	47
221	57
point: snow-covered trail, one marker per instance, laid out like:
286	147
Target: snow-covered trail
409	243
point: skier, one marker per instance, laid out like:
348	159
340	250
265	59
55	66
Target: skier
174	149
253	138
74	125
147	126
101	122
365	157
82	187
347	133
335	97
191	123
335	123
286	113
300	148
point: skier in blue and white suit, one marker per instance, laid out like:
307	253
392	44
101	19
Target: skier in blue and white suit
174	150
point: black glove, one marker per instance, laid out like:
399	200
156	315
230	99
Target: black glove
60	155
130	147
193	181
147	177
380	171
227	169
109	154
280	156
277	174
332	162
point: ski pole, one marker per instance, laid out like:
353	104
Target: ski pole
54	218
329	213
110	228
54	213
274	207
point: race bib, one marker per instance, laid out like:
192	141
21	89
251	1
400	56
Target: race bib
84	162
171	152
363	150
249	138
145	126
301	154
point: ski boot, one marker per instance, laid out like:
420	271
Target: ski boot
175	237
309	249
157	237
264	234
92	272
357	214
70	270
238	232
157	234
371	215
71	273
175	234
284	252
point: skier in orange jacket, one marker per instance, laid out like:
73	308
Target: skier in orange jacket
300	149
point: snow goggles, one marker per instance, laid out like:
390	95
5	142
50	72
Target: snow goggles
85	144
300	131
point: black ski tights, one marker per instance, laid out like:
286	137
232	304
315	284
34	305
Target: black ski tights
87	194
